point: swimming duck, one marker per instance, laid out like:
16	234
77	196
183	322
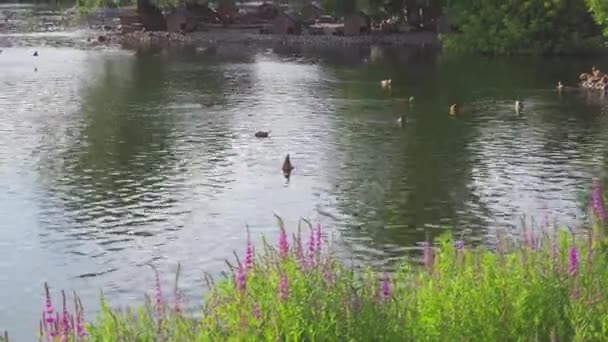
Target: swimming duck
287	167
35	54
519	106
596	72
262	134
385	83
401	120
454	110
602	84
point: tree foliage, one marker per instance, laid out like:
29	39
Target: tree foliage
521	26
599	10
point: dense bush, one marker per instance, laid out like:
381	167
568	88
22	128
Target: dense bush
599	9
548	288
521	27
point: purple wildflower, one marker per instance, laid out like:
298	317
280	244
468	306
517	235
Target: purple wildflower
328	275
80	332
311	249
48	309
241	278
575	292
427	255
318	238
159	298
597	202
284	288
459	245
178	301
65	322
257	312
249	255
573	261
283	243
385	287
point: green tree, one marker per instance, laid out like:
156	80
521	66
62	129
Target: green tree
599	10
521	26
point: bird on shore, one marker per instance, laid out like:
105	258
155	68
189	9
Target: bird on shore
287	167
519	106
262	134
385	83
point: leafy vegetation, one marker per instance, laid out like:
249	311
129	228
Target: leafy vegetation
547	288
599	10
522	27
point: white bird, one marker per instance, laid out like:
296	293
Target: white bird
519	106
401	120
385	83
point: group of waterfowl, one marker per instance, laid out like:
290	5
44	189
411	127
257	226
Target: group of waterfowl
454	110
594	80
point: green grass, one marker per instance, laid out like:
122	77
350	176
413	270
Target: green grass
549	288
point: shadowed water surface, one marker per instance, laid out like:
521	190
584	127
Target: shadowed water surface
110	160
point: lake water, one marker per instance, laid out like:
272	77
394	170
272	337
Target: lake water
113	159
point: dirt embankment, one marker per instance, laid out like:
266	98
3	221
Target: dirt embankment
251	37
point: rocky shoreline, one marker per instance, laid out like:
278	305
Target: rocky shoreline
253	38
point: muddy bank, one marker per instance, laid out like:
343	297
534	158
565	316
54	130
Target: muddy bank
253	38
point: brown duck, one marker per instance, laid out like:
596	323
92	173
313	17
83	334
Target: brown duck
261	134
287	167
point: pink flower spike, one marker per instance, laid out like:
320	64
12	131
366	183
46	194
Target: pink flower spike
284	288
241	278
318	239
385	288
573	261
283	243
249	252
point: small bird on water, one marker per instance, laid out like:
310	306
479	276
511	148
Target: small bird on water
35	53
519	106
560	86
262	134
454	110
287	167
401	120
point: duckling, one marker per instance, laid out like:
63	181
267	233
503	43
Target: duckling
454	110
385	83
262	134
287	167
519	106
560	86
35	54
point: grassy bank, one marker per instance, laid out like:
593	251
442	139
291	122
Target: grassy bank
546	288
